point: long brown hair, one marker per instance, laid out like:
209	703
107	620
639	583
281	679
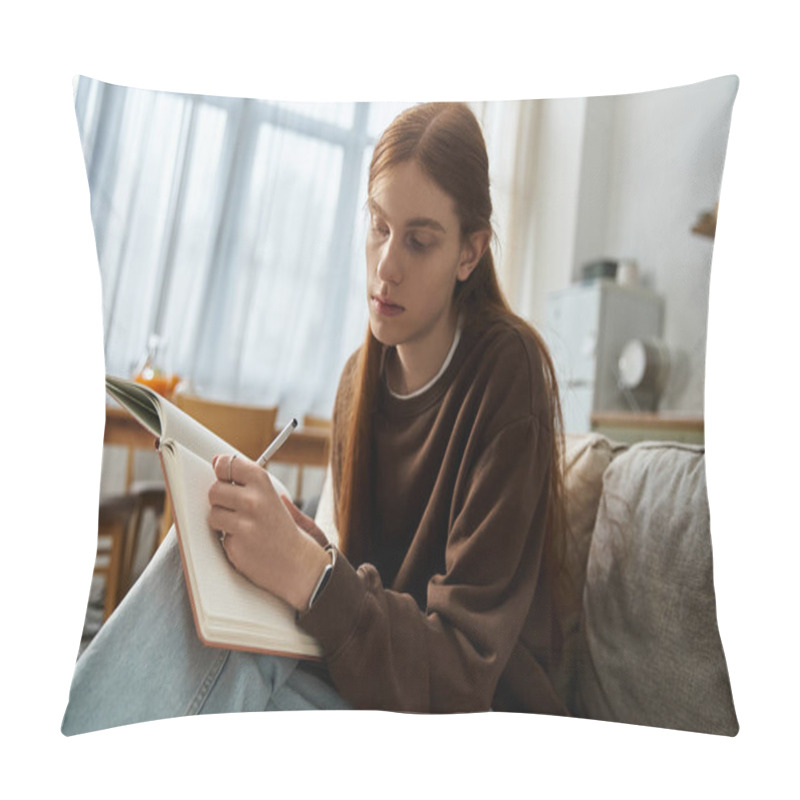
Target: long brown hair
446	141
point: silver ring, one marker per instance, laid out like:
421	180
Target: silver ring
222	535
230	469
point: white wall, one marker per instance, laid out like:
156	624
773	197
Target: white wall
628	177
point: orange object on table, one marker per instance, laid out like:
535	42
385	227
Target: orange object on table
158	381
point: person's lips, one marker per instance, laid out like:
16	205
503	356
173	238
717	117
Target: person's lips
385	307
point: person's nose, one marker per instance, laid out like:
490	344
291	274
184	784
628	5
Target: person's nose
390	262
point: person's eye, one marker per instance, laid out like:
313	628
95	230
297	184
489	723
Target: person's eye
418	244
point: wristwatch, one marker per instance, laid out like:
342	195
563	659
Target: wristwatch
323	579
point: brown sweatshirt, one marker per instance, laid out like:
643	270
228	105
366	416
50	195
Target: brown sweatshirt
451	612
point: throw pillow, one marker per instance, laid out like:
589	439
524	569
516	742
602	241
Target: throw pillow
653	649
194	206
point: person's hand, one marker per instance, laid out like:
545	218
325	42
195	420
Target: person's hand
262	540
305	522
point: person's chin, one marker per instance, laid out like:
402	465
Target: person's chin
385	332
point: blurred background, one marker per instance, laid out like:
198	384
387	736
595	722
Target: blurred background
230	234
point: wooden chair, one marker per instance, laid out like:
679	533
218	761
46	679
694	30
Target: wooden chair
110	546
120	521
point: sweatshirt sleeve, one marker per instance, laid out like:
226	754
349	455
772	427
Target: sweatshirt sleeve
384	652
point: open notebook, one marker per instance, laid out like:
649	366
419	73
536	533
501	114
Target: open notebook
229	611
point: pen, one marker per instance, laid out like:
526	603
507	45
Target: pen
277	443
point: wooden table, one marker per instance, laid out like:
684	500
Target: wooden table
309	447
123	429
625	426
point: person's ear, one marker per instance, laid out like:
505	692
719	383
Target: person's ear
471	253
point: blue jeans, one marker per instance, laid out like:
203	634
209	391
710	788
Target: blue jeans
147	663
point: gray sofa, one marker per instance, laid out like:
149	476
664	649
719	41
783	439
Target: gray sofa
642	644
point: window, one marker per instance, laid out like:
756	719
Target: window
233	228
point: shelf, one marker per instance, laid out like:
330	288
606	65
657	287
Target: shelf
628	427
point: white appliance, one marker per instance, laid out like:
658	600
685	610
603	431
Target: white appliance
643	370
587	328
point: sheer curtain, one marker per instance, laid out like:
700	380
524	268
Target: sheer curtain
511	131
234	229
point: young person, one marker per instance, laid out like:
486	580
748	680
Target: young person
442	593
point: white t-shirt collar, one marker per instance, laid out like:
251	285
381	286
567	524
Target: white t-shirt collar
438	375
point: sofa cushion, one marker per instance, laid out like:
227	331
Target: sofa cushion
653	654
586	458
